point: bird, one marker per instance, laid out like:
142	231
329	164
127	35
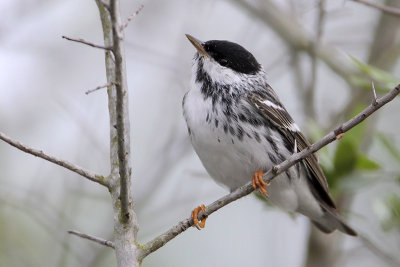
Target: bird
240	129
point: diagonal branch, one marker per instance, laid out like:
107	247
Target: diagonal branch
131	17
63	163
98	88
245	190
388	10
86	43
297	37
98	240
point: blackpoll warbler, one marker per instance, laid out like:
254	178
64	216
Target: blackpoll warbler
240	129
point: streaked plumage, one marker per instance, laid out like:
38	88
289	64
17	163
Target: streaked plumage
238	126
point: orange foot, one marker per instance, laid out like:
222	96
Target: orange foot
196	222
259	183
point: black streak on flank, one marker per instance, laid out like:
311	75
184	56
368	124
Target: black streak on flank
288	175
257	136
272	158
242	117
231	130
225	128
216	123
271	142
239	131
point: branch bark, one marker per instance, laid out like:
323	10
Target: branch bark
245	190
86	42
388	10
63	163
125	221
98	240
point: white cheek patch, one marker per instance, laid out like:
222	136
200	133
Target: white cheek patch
272	105
220	74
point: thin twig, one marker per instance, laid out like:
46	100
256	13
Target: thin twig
310	92
86	43
388	10
161	240
92	238
373	93
63	163
379	252
98	88
131	17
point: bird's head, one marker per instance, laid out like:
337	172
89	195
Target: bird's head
224	61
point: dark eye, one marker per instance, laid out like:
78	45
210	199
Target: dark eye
223	62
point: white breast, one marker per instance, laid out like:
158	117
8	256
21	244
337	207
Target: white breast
232	162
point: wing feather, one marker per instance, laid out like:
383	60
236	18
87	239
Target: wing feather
278	115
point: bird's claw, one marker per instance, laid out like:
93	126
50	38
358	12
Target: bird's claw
196	223
259	183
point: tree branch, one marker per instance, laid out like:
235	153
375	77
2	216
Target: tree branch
386	257
86	43
388	10
296	36
63	163
123	132
131	17
125	221
98	88
309	95
92	238
245	190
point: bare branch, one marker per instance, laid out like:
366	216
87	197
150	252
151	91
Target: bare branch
98	88
373	93
125	221
86	43
131	17
161	240
379	252
298	38
63	163
92	238
310	92
123	133
388	10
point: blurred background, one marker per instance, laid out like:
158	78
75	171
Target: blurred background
321	57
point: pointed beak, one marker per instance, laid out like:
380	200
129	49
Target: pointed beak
199	45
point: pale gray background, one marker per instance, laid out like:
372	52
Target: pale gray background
42	103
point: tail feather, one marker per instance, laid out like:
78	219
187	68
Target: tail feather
323	228
332	221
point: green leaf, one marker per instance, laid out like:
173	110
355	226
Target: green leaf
392	218
388	145
365	163
377	74
346	157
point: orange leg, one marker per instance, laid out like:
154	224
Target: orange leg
259	183
196	222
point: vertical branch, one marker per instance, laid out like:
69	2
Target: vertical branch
122	111
310	92
125	222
